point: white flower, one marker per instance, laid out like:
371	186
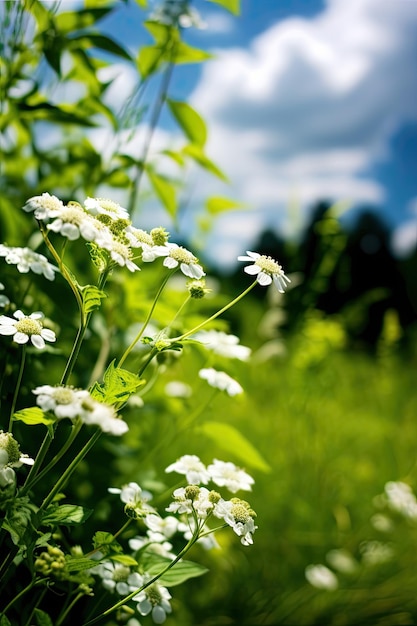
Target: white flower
26	327
194	470
238	514
266	270
166	526
132	494
400	498
177	255
177	389
27	260
189	499
154	542
120	253
63	401
139	238
223	344
73	222
342	561
10	455
220	380
118	577
104	206
321	577
4	300
230	476
42	206
68	402
154	600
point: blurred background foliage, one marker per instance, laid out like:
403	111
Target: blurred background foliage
330	395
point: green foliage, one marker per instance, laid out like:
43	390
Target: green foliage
118	385
231	5
65	515
33	416
42	618
189	120
184	570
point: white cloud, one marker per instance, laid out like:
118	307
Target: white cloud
310	106
404	237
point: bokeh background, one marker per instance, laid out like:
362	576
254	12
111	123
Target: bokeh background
310	158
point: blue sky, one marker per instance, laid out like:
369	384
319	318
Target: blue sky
305	100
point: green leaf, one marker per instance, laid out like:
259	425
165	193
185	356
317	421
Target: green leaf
231	5
125	559
66	515
219	204
118	385
187	54
77	20
196	153
142	3
164	190
32	416
42	618
92	297
231	440
79	564
97	255
190	121
153	564
101	42
4	621
106	543
149	59
175	156
161	32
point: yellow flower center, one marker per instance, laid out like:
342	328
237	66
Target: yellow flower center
268	265
63	396
240	513
154	595
182	255
143	236
50	203
122	249
29	326
121	573
73	215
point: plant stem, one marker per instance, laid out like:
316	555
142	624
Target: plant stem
146	322
70	469
17	387
17	597
69	608
213	317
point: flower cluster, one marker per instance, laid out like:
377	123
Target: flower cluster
266	270
107	225
27	260
223	344
66	402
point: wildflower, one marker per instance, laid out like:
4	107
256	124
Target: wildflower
73	222
26	327
177	389
68	402
4	300
27	260
321	577
10	455
266	269
220	380
342	561
197	288
189	499
121	254
103	206
177	255
223	344
135	499
139	238
237	514
166	526
400	498
154	600
117	577
195	471
230	476
42	206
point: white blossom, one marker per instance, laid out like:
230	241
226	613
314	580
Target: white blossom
27	260
73	222
25	328
400	498
237	514
104	206
223	344
194	470
154	600
321	577
189	499
227	474
221	380
43	206
177	255
266	270
118	578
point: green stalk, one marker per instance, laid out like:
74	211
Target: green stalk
69	608
213	317
17	387
70	469
146	322
17	597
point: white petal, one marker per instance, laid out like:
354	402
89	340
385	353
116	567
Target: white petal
37	341
264	279
252	269
21	338
7	330
244	258
19	315
170	262
48	334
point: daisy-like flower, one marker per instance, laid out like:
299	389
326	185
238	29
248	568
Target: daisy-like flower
321	577
25	328
191	498
266	269
177	255
239	515
10	455
230	476
4	300
73	222
223	344
151	247
27	260
135	500
118	578
43	206
68	402
154	542
121	254
154	600
194	470
220	380
104	206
